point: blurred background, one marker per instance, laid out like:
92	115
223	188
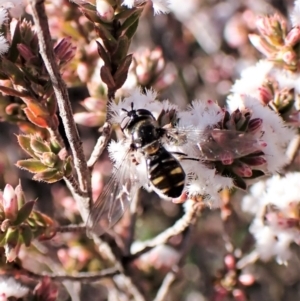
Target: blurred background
200	48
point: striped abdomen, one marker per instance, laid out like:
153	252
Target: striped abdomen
165	173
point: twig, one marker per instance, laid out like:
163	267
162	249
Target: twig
165	286
192	212
132	222
65	110
106	251
172	275
60	90
70	228
247	260
100	145
54	265
82	277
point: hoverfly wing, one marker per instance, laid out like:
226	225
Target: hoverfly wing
214	144
114	199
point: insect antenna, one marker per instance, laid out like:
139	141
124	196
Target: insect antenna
127	110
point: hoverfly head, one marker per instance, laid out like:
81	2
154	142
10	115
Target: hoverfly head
133	116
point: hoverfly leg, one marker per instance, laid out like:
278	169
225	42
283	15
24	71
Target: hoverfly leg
183	156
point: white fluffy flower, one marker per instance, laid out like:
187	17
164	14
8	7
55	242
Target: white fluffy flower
16	7
9	287
201	114
252	78
3	15
3	45
138	100
275	135
275	203
295	15
10	4
159	6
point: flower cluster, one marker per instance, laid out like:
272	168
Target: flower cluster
9	287
20	224
275	204
275	80
231	282
223	148
5	7
50	161
159	6
25	78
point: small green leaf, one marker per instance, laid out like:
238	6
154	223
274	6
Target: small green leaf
107	77
20	195
68	167
49	159
130	21
13	92
122	49
55	146
16	39
13	72
32	165
121	75
2	238
26	235
24	142
125	13
51	175
39	146
12	236
24	212
132	29
103	54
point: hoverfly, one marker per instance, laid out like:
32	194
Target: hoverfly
165	175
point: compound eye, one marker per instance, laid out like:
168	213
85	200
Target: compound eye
124	123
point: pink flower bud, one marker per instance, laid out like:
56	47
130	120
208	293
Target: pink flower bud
64	51
46	290
293	37
83	71
273	26
242	170
142	74
239	295
164	81
262	25
105	10
89	118
254	125
247	279
25	52
94	104
229	261
10	202
265	95
290	57
261	45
